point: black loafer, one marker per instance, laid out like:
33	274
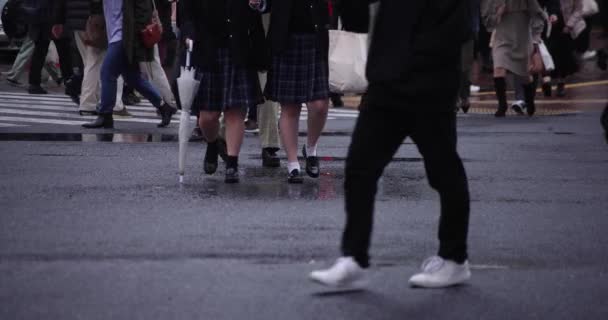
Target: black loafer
295	177
270	158
312	164
166	113
210	161
232	175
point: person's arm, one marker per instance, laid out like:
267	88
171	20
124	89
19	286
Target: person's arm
576	16
143	13
57	17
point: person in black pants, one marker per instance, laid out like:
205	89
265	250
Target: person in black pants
40	13
405	99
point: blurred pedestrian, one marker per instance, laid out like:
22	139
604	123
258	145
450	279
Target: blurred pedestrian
39	15
72	16
405	99
21	62
124	20
517	26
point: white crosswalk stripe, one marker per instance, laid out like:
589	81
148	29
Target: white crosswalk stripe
22	109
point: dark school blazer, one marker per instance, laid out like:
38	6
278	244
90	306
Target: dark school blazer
245	32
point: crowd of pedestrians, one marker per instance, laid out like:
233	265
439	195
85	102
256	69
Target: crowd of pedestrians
251	65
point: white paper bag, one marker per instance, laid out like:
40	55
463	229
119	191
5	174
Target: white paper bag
347	61
546	56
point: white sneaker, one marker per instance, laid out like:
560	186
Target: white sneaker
344	274
474	88
440	273
588	55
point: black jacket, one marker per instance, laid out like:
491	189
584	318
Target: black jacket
136	15
73	14
278	32
245	32
415	50
358	19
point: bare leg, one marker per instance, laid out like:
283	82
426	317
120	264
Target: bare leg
289	125
235	129
317	116
209	122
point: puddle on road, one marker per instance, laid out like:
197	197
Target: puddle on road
268	184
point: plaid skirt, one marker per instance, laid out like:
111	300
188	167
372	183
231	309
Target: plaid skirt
228	86
299	74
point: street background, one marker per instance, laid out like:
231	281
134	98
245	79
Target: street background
94	225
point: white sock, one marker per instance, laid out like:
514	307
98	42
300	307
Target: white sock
311	151
293	165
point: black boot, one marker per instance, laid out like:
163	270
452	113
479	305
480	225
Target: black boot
103	120
561	89
166	112
232	169
529	95
270	158
602	56
210	161
500	87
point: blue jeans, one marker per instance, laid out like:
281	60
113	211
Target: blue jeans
115	64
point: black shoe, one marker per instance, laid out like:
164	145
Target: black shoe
561	89
103	121
501	112
196	135
76	100
88	113
210	161
130	99
602	56
222	149
529	98
166	112
232	175
270	158
14	83
336	101
465	105
312	164
546	89
295	177
36	90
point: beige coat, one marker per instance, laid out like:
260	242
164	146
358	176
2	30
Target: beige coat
572	10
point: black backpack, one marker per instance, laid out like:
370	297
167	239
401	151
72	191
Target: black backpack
14	19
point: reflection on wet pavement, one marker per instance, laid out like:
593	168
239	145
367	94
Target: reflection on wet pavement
270	184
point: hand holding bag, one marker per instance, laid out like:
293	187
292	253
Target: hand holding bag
152	33
548	63
535	63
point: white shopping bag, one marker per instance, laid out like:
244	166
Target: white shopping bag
347	61
546	56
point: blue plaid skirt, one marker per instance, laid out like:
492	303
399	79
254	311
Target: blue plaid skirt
299	74
228	86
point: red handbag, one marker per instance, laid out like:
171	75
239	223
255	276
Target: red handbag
153	32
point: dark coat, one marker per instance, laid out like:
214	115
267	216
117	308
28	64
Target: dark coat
137	14
73	14
245	33
38	15
358	19
278	32
415	50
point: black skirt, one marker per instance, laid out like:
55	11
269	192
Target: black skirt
228	86
299	74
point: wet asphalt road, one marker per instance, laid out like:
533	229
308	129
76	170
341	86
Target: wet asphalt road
95	226
103	231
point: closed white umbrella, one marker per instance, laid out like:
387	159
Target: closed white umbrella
188	87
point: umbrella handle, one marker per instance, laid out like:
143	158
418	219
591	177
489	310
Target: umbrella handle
189	45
